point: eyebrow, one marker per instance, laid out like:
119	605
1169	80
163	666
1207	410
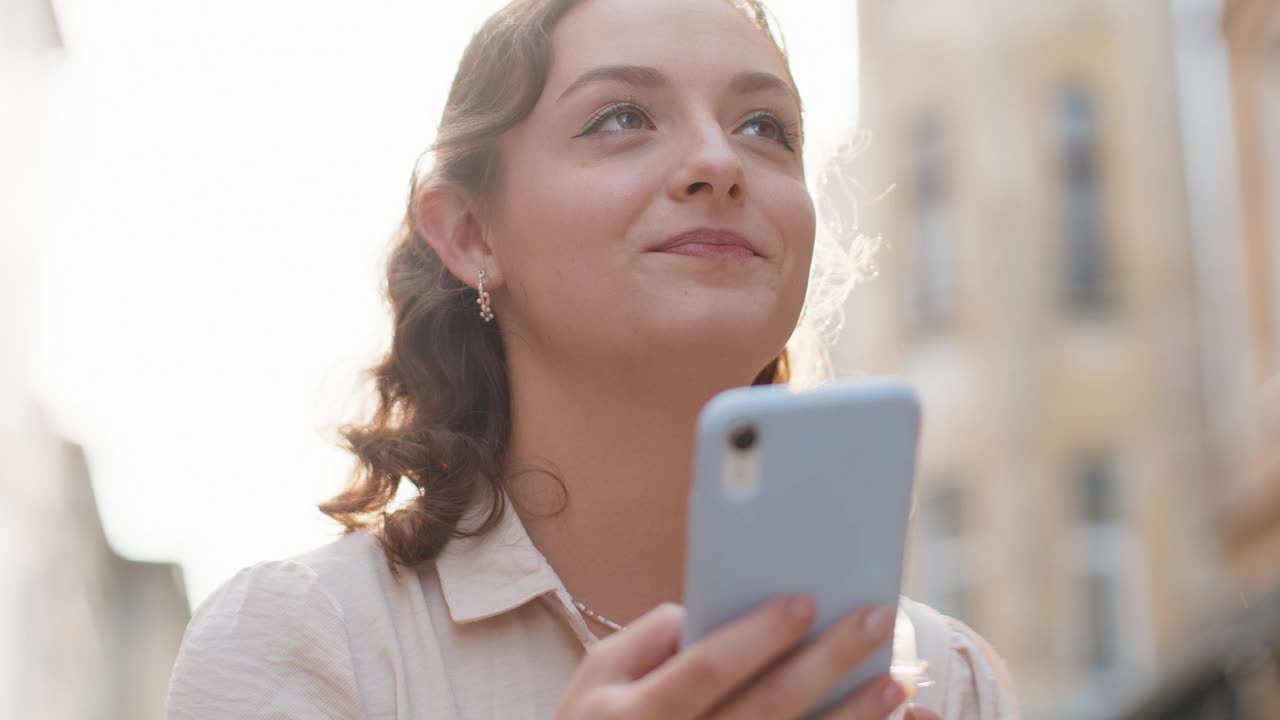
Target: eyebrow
650	77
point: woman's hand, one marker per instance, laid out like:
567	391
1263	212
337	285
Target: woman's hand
641	672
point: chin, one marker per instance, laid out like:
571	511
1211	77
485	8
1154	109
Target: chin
741	344
736	328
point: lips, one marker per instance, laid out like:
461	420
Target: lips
707	240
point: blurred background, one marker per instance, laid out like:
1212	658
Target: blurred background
1082	276
1079	209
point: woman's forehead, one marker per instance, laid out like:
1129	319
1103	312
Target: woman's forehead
680	38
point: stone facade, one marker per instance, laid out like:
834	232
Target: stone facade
1061	276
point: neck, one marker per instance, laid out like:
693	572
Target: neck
612	520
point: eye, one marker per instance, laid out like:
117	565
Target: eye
764	128
769	127
622	120
623	117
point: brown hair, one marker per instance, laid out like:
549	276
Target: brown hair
442	419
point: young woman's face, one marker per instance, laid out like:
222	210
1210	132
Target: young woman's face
654	203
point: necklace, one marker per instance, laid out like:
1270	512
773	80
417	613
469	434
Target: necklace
582	607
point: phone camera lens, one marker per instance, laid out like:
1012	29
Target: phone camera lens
743	437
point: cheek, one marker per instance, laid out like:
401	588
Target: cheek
565	198
790	208
562	226
601	203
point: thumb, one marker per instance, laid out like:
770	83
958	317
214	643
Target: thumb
918	713
644	644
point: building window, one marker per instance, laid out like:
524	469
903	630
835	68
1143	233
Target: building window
1104	541
1086	276
943	512
1102	607
1099	492
943	577
931	271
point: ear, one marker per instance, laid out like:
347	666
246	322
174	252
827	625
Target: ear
448	219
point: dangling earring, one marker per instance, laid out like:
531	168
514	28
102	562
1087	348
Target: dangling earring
486	310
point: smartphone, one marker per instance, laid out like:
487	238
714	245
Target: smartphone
804	491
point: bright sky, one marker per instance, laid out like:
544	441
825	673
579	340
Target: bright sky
224	180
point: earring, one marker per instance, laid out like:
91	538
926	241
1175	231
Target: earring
486	310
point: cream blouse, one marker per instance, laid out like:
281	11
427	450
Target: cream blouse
486	631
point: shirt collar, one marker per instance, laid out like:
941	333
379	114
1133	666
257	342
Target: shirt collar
490	574
487	575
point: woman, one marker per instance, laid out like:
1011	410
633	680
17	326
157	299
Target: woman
616	228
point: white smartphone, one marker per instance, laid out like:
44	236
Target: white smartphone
802	492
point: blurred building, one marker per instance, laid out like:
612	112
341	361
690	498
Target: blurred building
1234	670
1251	31
88	634
92	635
1070	280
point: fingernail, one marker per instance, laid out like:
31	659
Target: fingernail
892	696
800	607
879	622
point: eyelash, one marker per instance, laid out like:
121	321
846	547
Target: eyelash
609	111
786	129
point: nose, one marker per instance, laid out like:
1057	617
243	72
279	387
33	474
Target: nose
709	166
